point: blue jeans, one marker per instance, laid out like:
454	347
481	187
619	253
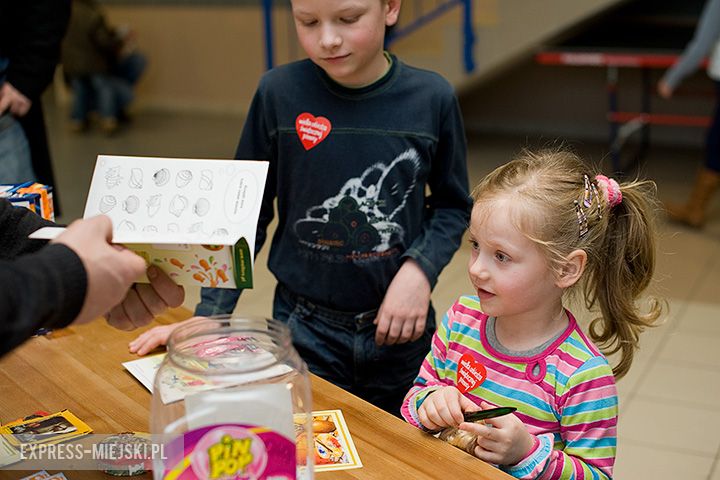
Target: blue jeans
131	67
712	143
107	93
340	347
216	301
15	159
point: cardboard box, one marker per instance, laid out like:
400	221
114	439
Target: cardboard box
33	196
195	219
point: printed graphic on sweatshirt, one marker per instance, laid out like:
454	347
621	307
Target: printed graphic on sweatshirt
359	222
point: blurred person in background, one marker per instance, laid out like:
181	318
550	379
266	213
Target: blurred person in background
101	65
30	36
706	41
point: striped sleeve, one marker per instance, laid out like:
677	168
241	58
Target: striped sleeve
431	375
588	430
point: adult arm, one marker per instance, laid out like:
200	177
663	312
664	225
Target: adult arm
15	226
403	314
707	34
77	278
37	29
449	204
42	289
256	143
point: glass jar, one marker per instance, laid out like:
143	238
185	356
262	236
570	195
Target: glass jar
229	400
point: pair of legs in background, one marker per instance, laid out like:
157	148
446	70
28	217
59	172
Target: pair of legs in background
108	94
340	346
15	160
708	179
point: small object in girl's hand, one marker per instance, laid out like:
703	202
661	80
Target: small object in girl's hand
42	332
459	438
488	413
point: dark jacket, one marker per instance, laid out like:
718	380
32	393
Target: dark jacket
40	285
30	36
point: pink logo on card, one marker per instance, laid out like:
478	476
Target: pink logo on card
229	452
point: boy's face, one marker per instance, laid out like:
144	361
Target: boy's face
345	37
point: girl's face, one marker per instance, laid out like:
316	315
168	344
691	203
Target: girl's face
510	273
345	37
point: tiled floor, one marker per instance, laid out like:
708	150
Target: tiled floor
670	401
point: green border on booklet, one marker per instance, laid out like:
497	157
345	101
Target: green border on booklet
242	265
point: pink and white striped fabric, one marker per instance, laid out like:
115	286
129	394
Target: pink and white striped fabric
565	395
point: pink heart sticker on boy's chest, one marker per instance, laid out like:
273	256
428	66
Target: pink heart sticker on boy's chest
311	129
471	374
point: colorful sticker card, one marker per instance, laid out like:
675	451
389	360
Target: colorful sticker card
177	384
332	444
41	475
54	428
144	369
8	454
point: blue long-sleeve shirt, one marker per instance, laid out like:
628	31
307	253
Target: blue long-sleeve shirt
349	169
706	37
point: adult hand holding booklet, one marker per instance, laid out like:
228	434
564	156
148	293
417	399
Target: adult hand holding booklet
194	219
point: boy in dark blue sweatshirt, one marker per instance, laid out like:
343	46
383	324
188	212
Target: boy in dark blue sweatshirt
368	165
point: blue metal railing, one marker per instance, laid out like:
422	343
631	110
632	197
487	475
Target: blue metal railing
269	33
398	32
423	19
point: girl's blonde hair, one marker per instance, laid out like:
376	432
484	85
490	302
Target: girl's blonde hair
548	189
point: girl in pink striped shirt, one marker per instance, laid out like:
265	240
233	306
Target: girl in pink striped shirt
542	226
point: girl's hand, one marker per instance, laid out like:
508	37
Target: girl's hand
502	441
444	408
152	338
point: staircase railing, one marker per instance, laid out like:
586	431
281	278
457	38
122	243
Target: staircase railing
418	20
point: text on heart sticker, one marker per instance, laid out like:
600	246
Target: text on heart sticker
312	130
470	373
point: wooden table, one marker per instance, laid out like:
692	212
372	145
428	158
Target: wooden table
80	369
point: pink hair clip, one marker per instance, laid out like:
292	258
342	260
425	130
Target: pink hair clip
611	189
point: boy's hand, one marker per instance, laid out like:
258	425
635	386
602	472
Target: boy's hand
152	339
403	313
444	408
502	441
144	302
157	336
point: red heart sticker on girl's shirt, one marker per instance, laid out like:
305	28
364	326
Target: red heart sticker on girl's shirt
470	373
311	129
